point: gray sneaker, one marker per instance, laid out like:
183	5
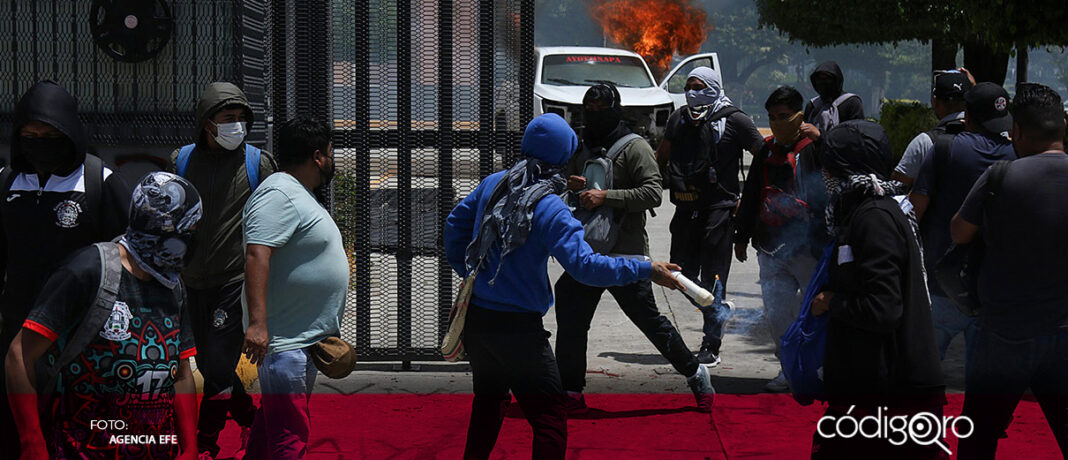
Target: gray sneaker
701	385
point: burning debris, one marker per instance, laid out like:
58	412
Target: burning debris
655	29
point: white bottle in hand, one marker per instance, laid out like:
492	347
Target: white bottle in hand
693	291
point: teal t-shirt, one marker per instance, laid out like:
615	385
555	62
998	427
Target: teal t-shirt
309	273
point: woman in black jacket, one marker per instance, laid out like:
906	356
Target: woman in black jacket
881	358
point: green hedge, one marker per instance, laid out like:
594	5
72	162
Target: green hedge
903	120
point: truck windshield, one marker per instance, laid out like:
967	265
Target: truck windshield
588	70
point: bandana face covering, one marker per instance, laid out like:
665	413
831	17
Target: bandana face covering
701	97
702	103
163	257
787	131
163	211
599	124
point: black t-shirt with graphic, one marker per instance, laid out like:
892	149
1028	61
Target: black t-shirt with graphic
126	373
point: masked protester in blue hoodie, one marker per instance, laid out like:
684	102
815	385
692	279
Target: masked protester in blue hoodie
508	227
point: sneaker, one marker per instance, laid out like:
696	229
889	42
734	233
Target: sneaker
707	356
575	403
701	385
778	384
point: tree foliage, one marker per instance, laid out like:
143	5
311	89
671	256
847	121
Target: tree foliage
842	22
1002	24
742	45
988	29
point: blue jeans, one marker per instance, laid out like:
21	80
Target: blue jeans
701	243
948	322
283	422
781	279
999	372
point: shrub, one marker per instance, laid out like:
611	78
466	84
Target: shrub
903	120
344	185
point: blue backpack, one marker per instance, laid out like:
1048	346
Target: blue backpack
252	163
804	343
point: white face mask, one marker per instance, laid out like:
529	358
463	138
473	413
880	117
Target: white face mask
230	135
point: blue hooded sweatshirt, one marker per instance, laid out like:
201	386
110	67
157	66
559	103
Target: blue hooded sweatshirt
522	285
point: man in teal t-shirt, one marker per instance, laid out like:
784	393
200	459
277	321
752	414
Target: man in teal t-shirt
296	276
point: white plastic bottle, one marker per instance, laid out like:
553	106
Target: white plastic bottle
693	291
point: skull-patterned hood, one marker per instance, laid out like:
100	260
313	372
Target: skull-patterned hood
163	211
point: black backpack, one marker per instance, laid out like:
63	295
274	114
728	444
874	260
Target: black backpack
957	271
942	137
692	179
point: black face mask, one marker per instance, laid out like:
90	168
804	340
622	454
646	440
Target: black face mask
599	124
46	154
826	89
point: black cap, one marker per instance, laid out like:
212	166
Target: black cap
951	85
988	106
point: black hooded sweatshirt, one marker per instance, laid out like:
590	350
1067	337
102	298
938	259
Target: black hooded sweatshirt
850	109
41	225
880	339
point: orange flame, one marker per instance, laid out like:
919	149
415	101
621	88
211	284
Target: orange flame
655	29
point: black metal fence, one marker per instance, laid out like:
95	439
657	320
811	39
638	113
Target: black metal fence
413	102
410	86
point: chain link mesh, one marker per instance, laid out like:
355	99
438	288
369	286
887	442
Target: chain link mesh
415	90
143	103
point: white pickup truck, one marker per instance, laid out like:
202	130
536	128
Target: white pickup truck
563	74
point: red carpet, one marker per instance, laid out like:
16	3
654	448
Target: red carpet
619	426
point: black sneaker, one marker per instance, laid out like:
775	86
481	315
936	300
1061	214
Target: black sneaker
575	403
707	356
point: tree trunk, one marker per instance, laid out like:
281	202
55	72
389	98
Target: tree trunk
1022	61
984	63
943	54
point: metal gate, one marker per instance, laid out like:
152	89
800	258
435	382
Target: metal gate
413	88
416	86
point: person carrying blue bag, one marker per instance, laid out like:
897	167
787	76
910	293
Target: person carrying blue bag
880	358
803	344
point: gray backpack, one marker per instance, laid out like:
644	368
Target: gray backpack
827	116
601	225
